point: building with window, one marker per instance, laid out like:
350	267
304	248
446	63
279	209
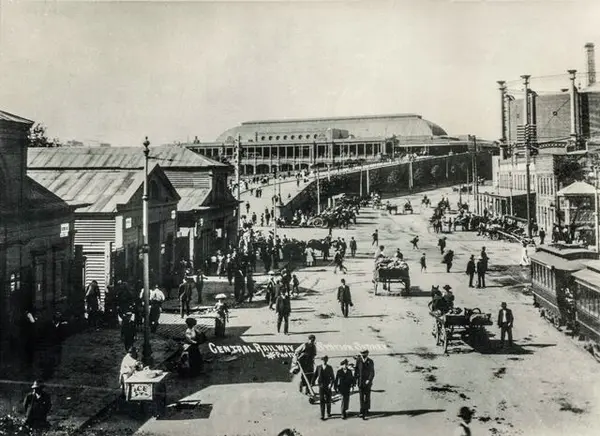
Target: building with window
37	264
206	217
295	144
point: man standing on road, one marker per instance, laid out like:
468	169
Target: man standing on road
481	273
375	238
185	296
415	243
325	378
283	308
306	354
471	270
352	247
344	297
448	259
505	322
364	374
344	382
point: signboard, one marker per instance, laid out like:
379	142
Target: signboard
128	223
283	351
173	214
64	230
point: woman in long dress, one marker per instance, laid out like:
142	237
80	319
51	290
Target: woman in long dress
222	315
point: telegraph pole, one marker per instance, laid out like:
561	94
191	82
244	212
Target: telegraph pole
147	350
318	194
237	154
527	148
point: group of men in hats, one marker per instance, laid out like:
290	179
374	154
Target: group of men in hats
343	382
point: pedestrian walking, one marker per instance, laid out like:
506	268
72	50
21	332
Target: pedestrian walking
325	379
222	315
465	414
415	243
344	297
338	260
186	290
37	405
250	285
157	298
448	258
505	323
283	308
352	247
364	374
471	269
128	329
262	219
344	382
423	262
295	285
375	238
542	235
442	244
481	270
247	207
92	301
305	354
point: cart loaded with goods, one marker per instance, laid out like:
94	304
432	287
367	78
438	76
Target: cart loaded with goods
391	270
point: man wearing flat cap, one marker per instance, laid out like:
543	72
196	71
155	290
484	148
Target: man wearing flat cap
364	374
325	379
344	381
465	414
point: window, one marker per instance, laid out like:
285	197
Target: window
277	137
284	136
299	136
270	138
315	136
262	138
292	137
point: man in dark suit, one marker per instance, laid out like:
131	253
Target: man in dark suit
481	268
364	374
505	322
344	297
471	270
324	378
344	381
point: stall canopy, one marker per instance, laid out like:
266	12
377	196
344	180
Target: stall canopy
577	189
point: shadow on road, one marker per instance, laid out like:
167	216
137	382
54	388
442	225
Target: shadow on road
367	316
185	411
412	413
315	332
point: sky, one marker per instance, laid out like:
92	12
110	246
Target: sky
117	72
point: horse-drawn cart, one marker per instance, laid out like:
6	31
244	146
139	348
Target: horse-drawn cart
387	276
469	322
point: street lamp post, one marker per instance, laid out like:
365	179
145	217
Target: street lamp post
597	210
147	350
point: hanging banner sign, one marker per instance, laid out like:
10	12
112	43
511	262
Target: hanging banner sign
64	230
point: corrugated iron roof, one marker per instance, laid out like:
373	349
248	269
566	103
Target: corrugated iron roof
99	190
173	156
191	198
6	116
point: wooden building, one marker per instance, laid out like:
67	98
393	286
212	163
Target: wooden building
206	215
38	270
108	220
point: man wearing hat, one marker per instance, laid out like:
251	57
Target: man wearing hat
37	405
448	298
186	288
505	322
471	269
465	414
364	374
306	354
344	381
325	379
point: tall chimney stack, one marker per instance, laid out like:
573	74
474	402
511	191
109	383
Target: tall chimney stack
591	63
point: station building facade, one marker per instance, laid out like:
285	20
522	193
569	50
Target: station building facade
300	143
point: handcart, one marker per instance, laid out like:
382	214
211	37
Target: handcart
387	276
469	322
313	396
